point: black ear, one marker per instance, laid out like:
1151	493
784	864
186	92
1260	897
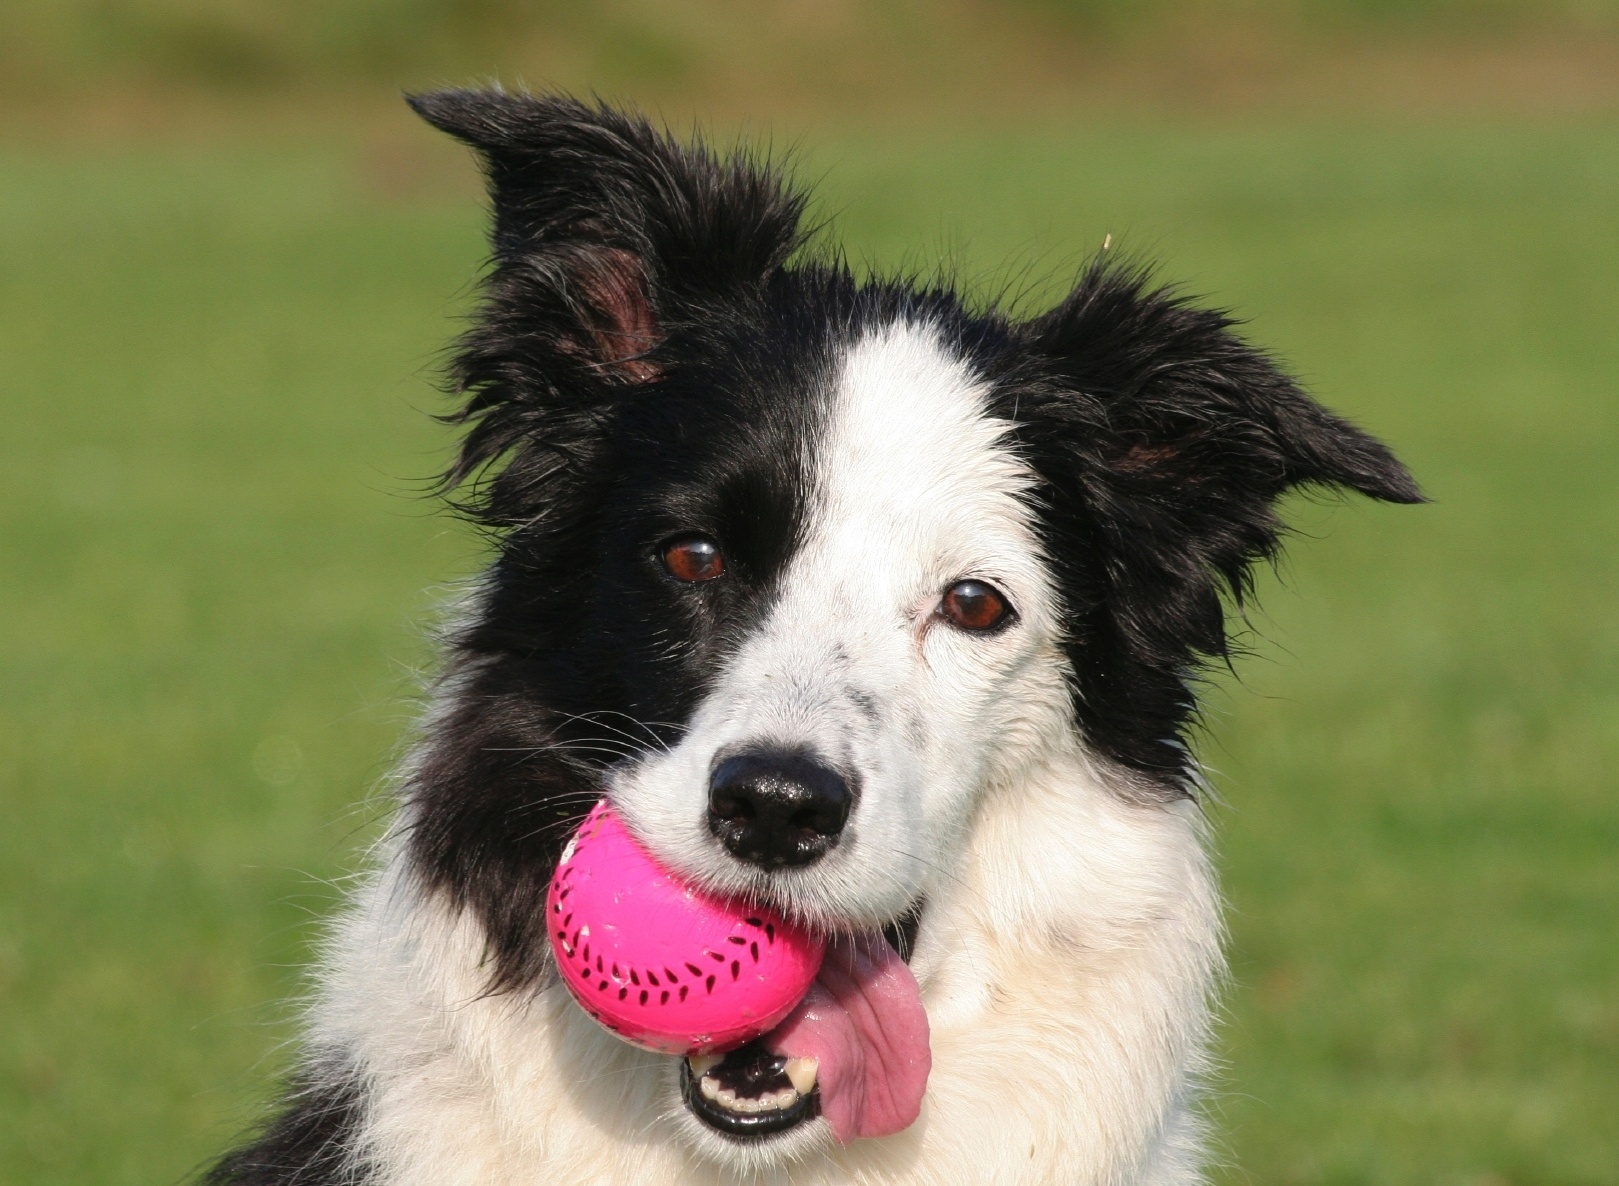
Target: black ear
606	234
1165	441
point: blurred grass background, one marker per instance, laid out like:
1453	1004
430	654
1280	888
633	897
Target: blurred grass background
228	261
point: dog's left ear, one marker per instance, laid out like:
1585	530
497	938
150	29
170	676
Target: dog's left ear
1168	439
1199	421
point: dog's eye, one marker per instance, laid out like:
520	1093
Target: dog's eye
693	558
973	605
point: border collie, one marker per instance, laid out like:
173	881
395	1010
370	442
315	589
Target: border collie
855	600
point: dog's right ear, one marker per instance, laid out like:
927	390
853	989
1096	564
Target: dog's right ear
606	233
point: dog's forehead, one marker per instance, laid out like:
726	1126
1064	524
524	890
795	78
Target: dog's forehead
912	465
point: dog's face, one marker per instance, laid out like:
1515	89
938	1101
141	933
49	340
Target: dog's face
797	569
902	643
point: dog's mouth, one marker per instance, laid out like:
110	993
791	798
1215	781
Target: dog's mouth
750	1092
854	1051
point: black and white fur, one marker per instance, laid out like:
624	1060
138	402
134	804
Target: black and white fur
659	352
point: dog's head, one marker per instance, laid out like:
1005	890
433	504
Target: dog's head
795	567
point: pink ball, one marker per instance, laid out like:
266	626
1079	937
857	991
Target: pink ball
660	963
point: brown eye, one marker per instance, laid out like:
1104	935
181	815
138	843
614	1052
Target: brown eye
973	605
693	558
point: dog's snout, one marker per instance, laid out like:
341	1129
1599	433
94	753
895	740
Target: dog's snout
777	810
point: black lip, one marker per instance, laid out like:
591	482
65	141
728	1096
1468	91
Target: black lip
901	933
743	1126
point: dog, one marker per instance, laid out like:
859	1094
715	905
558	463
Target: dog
855	601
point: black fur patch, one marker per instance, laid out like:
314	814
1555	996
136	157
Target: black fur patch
311	1142
583	650
1163	441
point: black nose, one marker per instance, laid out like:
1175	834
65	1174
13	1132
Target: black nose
776	809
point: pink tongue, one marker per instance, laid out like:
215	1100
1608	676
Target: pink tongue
863	1019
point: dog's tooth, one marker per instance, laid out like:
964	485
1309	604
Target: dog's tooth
802	1073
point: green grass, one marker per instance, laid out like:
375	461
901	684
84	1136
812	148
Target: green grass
214	367
270	43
